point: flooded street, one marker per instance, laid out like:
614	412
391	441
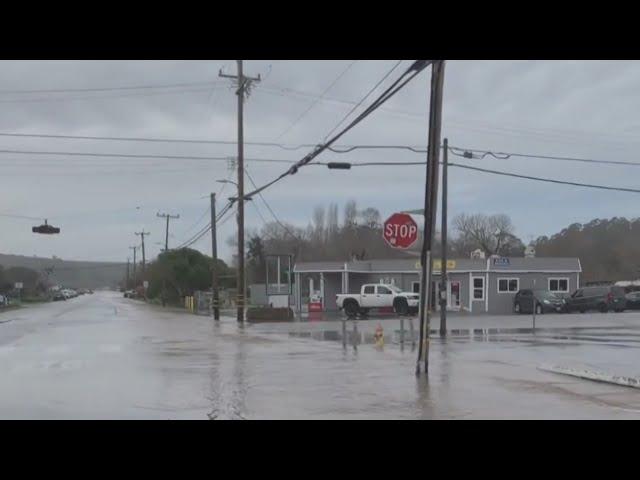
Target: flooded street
106	357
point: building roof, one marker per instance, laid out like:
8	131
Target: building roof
511	264
313	267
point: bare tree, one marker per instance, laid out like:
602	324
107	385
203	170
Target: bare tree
370	217
350	214
318	223
494	234
332	222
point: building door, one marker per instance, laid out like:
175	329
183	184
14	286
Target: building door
384	297
453	295
435	288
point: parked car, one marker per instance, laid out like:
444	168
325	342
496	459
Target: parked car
604	299
68	293
544	301
130	294
378	295
59	296
633	300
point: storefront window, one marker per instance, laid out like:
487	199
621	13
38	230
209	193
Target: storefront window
478	288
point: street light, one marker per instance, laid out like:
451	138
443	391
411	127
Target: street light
233	183
228	181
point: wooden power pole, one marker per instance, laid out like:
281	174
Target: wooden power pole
214	253
166	238
244	84
166	249
443	271
430	205
135	248
144	263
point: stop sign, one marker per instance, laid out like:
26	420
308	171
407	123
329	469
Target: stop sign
400	231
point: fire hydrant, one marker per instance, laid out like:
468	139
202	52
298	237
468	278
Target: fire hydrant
379	336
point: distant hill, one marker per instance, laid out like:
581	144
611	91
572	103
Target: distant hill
71	273
609	249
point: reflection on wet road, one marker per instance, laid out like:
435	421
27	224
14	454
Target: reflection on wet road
103	356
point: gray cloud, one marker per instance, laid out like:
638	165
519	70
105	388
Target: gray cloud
585	109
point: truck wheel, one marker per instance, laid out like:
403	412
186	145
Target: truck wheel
401	307
351	308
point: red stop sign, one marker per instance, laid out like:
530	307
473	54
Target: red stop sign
400	231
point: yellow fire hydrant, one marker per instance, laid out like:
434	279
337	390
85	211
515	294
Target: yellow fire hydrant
379	336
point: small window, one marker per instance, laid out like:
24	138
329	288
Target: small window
478	288
369	290
559	285
383	291
508	285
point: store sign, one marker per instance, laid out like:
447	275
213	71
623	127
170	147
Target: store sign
501	262
437	265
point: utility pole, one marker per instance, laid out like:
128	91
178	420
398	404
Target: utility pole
166	249
430	205
214	254
244	84
134	265
142	234
166	238
126	281
443	284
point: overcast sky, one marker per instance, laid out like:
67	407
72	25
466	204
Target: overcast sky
561	108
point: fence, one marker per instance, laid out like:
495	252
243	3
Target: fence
202	302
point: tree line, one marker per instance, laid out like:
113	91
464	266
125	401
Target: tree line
609	249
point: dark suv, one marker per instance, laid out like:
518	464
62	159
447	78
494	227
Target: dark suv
604	299
544	301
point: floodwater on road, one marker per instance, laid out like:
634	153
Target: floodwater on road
102	356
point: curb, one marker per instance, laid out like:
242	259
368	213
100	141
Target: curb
595	376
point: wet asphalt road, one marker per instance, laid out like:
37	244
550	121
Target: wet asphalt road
105	357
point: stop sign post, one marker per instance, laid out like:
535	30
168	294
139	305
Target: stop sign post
400	231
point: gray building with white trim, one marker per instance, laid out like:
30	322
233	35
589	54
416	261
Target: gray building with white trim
474	285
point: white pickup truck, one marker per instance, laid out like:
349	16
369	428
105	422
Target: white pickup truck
378	295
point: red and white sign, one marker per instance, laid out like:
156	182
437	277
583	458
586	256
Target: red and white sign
315	307
400	230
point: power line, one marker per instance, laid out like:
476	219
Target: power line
264	220
494	172
315	102
506	155
124	155
273	214
206	212
103	89
87	267
395	87
375	87
9	215
205	229
99	97
548	180
288	147
201	234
